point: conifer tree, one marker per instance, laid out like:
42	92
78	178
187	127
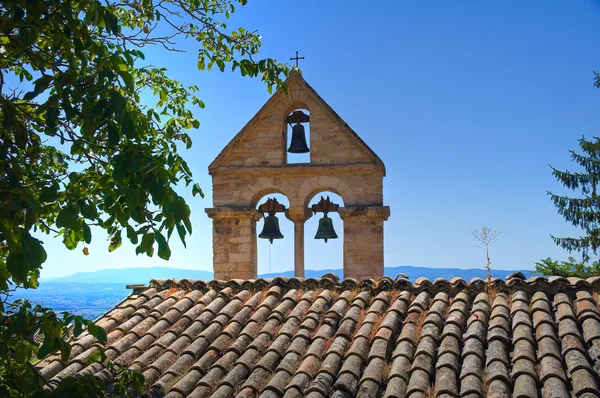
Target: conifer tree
583	212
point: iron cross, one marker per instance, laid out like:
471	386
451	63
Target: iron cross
297	58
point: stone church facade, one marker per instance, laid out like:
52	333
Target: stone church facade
255	164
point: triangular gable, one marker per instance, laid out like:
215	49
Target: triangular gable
296	82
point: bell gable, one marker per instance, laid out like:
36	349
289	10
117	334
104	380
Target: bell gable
255	164
263	140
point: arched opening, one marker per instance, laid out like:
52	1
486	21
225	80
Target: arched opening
321	257
298	137
276	258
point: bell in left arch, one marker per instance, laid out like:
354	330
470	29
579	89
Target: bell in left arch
271	229
325	230
298	143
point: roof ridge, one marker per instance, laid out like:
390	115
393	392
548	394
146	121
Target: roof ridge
386	283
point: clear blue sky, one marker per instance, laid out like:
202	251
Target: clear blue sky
467	103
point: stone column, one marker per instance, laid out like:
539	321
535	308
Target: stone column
298	215
363	240
234	242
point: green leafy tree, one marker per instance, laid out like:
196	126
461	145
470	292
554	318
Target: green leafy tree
583	212
572	267
79	149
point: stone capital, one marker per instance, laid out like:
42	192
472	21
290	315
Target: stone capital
298	214
372	212
233	212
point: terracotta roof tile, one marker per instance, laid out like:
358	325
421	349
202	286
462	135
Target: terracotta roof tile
292	337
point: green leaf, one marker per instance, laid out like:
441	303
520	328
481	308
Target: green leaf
88	211
146	245
17	266
97	357
70	239
47	348
132	235
115	242
164	251
48	195
117	102
100	334
41	85
22	352
181	232
67	217
113	133
9	234
132	197
87	233
96	331
196	190
127	79
65	352
188	224
112	22
34	251
78	329
129	127
136	162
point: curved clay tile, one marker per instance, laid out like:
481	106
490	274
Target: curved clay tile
293	337
422	283
349	284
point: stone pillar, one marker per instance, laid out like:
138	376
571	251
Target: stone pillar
234	242
363	240
298	215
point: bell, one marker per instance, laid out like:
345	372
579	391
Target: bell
298	144
326	230
271	229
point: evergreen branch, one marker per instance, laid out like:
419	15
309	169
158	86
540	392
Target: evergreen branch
590	164
574	204
586	220
586	182
582	244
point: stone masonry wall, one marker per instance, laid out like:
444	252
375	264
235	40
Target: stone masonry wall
363	241
234	243
242	187
254	164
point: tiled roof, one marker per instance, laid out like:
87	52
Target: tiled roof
291	337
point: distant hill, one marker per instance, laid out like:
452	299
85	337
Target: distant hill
131	275
144	275
416	272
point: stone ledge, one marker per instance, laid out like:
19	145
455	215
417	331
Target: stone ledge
310	169
233	212
374	212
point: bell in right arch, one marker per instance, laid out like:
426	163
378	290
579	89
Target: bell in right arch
325	230
298	144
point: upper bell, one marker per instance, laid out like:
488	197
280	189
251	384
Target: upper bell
271	229
298	144
325	230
